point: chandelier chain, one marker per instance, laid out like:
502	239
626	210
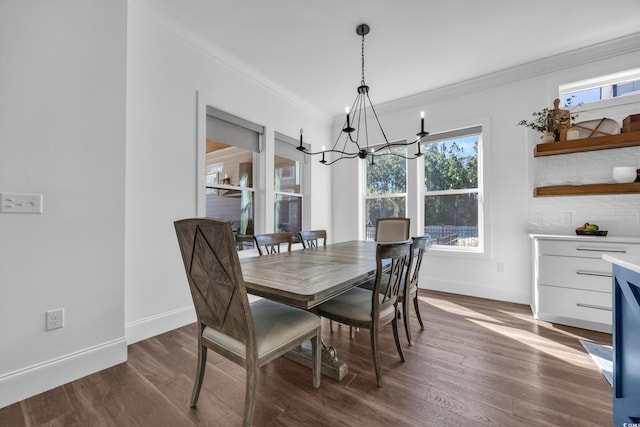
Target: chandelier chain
362	54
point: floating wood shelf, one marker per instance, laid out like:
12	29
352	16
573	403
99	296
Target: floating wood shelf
606	142
589	189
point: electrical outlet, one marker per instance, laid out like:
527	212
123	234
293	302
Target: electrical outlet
500	267
55	319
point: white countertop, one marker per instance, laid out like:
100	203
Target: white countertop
631	262
604	239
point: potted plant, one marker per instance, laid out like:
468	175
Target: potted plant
551	122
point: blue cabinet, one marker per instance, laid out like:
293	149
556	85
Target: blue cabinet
626	345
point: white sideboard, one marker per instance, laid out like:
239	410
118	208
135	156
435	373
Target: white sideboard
571	282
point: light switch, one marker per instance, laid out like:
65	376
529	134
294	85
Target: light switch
20	203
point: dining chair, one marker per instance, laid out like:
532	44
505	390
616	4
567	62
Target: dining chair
249	334
372	309
392	229
410	293
268	244
311	239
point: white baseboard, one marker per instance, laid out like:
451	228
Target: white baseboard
158	324
518	296
18	385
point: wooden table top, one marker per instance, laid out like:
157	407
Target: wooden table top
308	277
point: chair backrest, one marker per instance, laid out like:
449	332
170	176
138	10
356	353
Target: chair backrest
268	244
310	238
392	229
420	245
392	261
215	278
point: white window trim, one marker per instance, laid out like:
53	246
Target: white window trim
365	197
485	250
596	82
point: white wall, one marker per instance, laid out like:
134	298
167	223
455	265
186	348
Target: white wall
167	70
498	102
105	248
62	135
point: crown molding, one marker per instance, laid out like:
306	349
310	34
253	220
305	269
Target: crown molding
570	59
143	11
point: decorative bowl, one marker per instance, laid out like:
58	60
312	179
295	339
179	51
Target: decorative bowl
591	233
624	174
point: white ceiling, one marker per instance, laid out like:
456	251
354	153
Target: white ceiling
310	48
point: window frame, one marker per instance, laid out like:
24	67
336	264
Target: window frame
286	143
366	197
483	247
605	82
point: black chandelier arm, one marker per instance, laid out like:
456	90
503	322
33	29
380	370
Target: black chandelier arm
384	135
345	153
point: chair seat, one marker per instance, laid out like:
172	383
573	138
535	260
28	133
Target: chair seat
355	304
275	324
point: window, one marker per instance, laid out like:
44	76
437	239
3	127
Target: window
232	148
452	194
386	189
288	177
600	88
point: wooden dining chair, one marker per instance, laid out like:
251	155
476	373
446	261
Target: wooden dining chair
311	239
250	335
372	309
392	229
410	293
268	244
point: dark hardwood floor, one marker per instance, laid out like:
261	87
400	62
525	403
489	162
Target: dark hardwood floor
477	363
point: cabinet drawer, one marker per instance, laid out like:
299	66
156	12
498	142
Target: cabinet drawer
574	303
571	272
586	248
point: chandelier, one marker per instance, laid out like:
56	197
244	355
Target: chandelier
356	139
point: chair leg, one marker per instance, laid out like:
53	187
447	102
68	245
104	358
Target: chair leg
375	349
394	324
405	315
415	305
316	347
330	325
202	363
250	393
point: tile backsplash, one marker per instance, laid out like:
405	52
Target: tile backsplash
617	213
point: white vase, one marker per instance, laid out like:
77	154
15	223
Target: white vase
547	137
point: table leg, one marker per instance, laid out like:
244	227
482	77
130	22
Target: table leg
331	366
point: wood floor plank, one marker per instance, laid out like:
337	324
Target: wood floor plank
12	415
477	363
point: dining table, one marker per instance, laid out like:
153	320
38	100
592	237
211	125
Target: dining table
308	277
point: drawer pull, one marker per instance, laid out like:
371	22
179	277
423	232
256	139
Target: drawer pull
596	307
593	273
622	251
